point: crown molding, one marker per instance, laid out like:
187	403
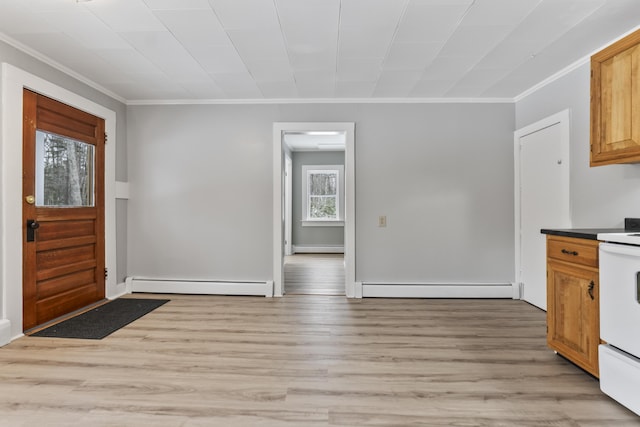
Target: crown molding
321	101
45	59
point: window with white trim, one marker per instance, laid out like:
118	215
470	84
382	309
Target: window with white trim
322	195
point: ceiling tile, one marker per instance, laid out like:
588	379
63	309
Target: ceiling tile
394	77
411	56
499	12
322	59
162	49
37	6
259	44
391	91
60	46
461	91
16	18
447	68
246	14
204	89
313	83
354	89
364	42
279	90
128	61
151	89
125	15
193	27
238	85
429	23
371	13
83	26
359	69
177	4
218	58
316	13
270	71
434	88
474	42
480	78
551	19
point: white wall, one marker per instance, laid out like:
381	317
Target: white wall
602	196
201	192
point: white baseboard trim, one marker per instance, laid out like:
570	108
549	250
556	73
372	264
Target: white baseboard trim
317	249
429	290
5	332
197	287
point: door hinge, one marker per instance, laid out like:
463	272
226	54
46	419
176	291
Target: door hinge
106	273
105	137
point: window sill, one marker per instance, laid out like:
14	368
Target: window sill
322	223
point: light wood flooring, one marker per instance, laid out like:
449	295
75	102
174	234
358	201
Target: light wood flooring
314	274
306	361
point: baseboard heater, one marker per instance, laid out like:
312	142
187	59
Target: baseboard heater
198	287
433	290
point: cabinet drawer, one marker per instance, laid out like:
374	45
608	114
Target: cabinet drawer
576	251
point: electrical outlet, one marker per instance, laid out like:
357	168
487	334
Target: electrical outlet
382	221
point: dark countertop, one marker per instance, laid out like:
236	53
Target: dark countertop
582	233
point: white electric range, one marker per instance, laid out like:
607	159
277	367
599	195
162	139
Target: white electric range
619	358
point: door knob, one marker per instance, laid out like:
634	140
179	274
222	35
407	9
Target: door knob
30	199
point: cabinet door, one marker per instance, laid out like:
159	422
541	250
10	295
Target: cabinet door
573	315
615	103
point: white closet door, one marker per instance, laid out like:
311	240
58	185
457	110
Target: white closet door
544	203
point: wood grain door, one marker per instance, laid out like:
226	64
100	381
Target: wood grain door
63	209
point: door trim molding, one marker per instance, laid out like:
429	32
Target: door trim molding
13	82
278	189
563	119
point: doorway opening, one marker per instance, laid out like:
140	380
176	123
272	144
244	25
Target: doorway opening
314	215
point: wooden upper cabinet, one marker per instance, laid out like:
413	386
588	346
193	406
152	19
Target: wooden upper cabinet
615	103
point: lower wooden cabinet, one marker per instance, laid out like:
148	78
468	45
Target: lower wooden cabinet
573	303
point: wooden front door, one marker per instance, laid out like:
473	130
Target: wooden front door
63	209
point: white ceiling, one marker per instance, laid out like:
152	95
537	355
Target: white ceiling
315	141
152	50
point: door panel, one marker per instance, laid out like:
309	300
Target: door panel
63	189
543	204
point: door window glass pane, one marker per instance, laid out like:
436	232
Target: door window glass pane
64	171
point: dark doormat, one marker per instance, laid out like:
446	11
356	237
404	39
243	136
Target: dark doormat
102	321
